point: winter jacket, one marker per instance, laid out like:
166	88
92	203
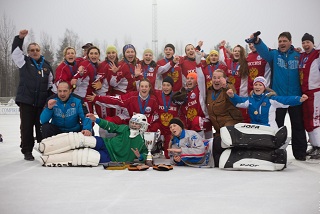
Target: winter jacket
34	85
221	110
68	116
192	146
285	74
262	108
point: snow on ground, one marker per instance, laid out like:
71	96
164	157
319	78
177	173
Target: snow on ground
28	187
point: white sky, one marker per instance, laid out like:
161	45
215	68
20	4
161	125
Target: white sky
179	21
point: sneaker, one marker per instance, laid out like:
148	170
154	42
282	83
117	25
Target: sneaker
28	156
315	154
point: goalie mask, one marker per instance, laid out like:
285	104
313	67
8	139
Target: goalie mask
138	125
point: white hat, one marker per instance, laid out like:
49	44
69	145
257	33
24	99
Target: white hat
260	79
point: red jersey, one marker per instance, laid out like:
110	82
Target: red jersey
240	84
257	67
131	103
84	82
123	81
167	67
209	69
166	109
309	65
64	72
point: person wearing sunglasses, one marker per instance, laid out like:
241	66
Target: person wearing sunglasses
36	80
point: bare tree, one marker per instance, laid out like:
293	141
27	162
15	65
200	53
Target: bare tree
7	69
70	39
47	47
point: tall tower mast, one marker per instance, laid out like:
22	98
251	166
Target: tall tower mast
154	30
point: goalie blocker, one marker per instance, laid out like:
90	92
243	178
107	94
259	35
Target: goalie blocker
248	136
254	159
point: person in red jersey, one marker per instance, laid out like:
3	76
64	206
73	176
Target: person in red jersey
147	68
167	110
67	69
211	64
193	110
123	76
131	103
169	66
237	72
309	69
257	67
87	75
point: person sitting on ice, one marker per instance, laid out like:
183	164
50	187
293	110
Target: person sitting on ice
262	104
75	149
187	147
261	144
64	112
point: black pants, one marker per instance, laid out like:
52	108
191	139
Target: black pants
299	140
29	118
49	130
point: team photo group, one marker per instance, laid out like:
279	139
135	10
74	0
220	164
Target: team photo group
208	108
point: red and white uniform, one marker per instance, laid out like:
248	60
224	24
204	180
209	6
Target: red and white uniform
84	82
165	68
167	110
148	72
123	81
65	73
209	69
309	68
194	112
233	75
131	103
105	74
187	66
240	84
257	67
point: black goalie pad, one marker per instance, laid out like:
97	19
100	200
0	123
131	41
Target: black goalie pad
254	159
253	136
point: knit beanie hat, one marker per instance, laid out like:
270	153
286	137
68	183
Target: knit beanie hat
169	80
260	79
211	52
307	36
170	46
147	51
111	48
176	121
128	46
194	75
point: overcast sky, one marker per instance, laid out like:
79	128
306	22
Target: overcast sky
179	21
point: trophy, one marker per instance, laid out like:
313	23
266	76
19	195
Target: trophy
150	139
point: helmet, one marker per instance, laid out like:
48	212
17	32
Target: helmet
140	119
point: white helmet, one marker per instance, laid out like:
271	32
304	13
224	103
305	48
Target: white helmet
140	119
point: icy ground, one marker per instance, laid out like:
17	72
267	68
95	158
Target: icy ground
28	187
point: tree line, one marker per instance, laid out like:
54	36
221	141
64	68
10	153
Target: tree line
9	73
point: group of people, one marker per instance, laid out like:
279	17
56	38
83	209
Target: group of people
185	97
